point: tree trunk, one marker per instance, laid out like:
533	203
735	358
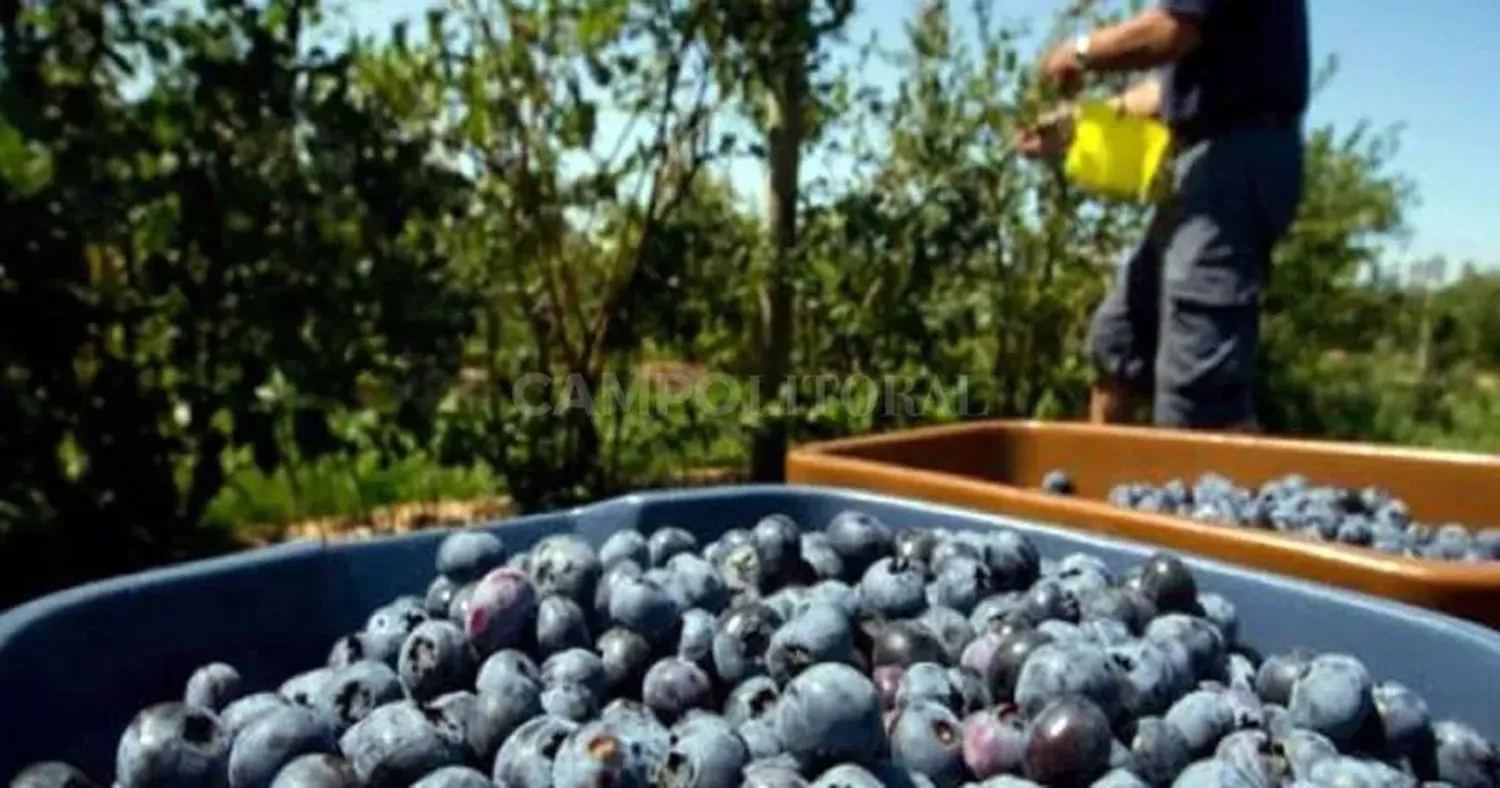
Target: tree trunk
785	149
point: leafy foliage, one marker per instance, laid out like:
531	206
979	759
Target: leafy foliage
250	272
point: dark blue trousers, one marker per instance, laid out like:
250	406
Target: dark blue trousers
1183	322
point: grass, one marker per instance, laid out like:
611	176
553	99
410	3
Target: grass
259	506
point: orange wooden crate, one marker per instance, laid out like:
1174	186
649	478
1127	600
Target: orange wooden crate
997	466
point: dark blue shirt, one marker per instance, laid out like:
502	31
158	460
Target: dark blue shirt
1251	62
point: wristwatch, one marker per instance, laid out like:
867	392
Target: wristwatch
1081	47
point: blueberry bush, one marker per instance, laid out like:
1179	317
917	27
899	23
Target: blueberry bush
247	256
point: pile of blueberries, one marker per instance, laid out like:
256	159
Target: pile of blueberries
853	656
1369	517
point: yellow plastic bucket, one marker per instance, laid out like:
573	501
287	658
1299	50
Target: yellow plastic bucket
1116	156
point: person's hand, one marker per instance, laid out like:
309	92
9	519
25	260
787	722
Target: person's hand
1048	138
1061	69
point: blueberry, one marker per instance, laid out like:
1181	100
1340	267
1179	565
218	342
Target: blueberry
1487	542
669	541
576	666
994	742
439	598
1058	482
213	686
435	659
1355	531
1169	584
645	607
461	713
454	777
1240	672
350	649
1106	632
893	588
400	742
502	611
1068	743
501	665
316	770
570	701
1334	697
526	758
1062	631
615	573
1215	773
729	540
818	634
274	740
1149	679
704	757
848	775
396	619
742	569
1303	749
926	681
1221	613
642	723
565	565
560	625
239	713
51	774
599	754
1013	560
836	593
1055	670
1344	770
695	642
1277	674
887	680
626	656
971	692
1158	751
927	738
772	773
741	641
905	643
1203	717
1050	600
304	688
761	737
960	584
458	604
778	541
628	545
752	698
673	686
467	555
947	549
980	651
859	539
1252	752
820	557
352	692
1010	655
1406	725
1205	644
830	713
917	545
1465	759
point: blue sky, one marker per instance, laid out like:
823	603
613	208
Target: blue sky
1429	66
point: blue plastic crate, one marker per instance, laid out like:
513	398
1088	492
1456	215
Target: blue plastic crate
77	665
